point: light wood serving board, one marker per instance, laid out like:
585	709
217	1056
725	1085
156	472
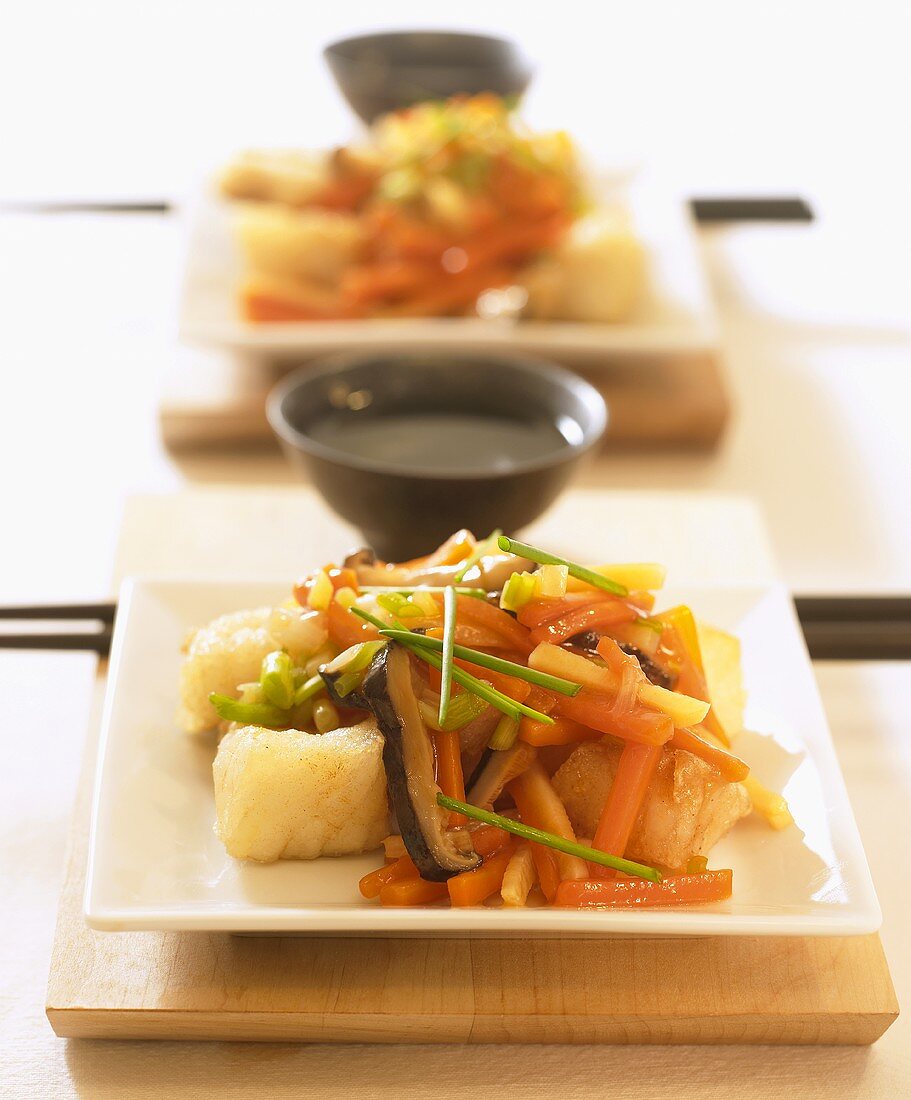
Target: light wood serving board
153	985
212	400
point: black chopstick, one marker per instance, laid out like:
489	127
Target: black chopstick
768	208
836	628
92	622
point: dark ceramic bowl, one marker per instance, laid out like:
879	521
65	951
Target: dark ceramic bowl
377	73
406	506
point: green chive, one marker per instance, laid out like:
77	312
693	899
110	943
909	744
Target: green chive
495	664
481	550
550	840
470	683
449	628
276	678
504	736
580	572
249	714
480	593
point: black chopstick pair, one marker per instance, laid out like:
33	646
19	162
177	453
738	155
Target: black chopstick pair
836	628
91	627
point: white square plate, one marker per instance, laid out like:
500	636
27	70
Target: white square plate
675	315
155	862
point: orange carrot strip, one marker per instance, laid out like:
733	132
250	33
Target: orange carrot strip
346	629
564	731
539	805
508	685
449	770
371	884
537	612
480	613
634	773
474	887
732	768
602	893
487	839
412	891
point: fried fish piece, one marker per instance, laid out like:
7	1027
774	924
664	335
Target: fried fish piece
687	809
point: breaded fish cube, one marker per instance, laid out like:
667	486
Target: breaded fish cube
227	652
687	809
287	794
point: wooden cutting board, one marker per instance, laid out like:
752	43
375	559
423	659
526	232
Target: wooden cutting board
622	990
211	400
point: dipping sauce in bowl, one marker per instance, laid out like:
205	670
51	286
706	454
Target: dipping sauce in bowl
411	447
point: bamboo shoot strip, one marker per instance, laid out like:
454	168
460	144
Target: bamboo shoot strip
580	572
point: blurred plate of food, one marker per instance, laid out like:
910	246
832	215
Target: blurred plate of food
447	224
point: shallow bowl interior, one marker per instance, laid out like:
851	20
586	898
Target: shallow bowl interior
405	508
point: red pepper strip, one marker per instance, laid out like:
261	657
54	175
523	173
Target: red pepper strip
537	612
597	616
599	893
595	710
634	773
449	770
371	884
732	768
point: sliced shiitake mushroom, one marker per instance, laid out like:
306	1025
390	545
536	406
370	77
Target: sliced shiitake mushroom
389	690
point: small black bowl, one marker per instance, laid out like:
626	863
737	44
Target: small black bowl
377	73
406	505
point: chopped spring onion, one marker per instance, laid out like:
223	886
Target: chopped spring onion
463	709
495	664
449	628
248	714
308	689
470	683
518	590
351	665
397	603
505	734
484	547
580	572
277	680
550	840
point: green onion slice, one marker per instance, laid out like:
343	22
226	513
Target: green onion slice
504	736
308	689
449	628
483	548
550	840
276	678
580	572
249	714
495	664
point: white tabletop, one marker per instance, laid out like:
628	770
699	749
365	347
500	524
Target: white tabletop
818	356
